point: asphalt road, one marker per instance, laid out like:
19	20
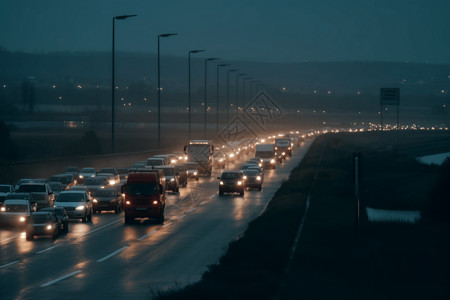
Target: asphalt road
106	259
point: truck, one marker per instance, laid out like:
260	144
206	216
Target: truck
283	147
266	152
145	195
200	152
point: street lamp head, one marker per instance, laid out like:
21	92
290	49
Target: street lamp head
223	65
233	70
167	34
196	51
124	17
242	74
212	58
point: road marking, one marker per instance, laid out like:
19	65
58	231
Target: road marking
212	196
11	263
147	235
102	227
191	210
112	254
167	225
48	249
9	238
60	278
181	217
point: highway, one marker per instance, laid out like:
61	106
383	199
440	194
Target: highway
106	259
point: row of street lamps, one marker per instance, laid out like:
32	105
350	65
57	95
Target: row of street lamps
189	92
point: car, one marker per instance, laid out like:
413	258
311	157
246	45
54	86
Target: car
108	199
95	183
29	180
191	168
42	223
110	171
72	170
76	203
66	179
252	179
57	187
61	215
85	173
182	174
5	190
220	159
155	161
123	173
15	212
21	196
248	165
112	179
41	193
231	182
171	176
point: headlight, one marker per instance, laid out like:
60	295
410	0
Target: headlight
81	176
173	161
49	227
172	179
128	202
245	177
260	164
155	202
221	182
95	200
239	182
284	153
81	207
3	209
112	182
185	158
195	173
22	219
221	159
272	161
102	187
231	155
258	178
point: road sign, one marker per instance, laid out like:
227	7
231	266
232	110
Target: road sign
389	96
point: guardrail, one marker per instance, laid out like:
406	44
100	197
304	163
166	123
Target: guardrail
12	171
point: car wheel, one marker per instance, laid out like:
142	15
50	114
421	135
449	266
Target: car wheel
220	193
160	219
55	235
89	218
128	220
117	209
196	178
241	193
177	190
84	219
29	237
259	188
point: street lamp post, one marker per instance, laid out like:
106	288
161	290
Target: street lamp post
217	97
189	103
228	93
159	87
113	83
243	89
237	84
205	102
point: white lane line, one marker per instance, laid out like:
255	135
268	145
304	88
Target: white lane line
60	278
167	225
147	235
191	210
9	239
181	217
11	263
112	254
102	227
212	196
48	249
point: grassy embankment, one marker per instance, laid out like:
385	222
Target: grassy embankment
380	261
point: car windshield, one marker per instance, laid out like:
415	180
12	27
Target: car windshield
180	168
19	196
169	171
191	166
87	170
251	172
32	188
265	154
107	170
71	169
16	208
56	187
4	189
40	218
70	197
106	193
155	162
58	211
94	181
141	189
230	175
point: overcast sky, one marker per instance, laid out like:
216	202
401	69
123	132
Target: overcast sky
258	30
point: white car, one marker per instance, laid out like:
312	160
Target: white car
5	190
76	203
15	212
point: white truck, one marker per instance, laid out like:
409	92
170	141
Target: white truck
200	152
266	152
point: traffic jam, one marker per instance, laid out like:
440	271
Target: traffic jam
47	207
